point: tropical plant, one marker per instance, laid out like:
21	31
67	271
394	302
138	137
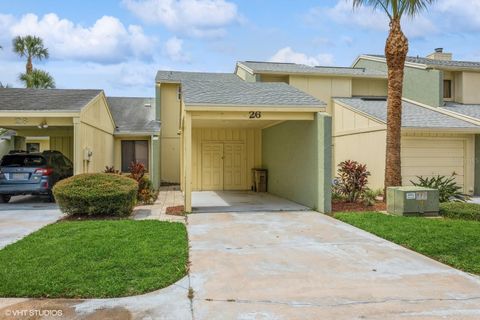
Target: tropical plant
37	79
352	180
31	47
369	197
396	49
111	170
448	188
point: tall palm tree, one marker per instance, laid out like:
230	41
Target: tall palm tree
30	47
37	79
396	49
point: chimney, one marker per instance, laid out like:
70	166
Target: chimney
438	54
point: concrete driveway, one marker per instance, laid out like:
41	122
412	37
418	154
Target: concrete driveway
305	265
24	215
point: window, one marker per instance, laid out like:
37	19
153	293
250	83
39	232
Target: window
447	89
134	150
33	147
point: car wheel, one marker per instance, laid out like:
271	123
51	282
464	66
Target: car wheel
6	198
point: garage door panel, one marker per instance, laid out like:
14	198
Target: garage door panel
433	157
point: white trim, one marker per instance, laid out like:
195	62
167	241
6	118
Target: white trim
240	108
384	60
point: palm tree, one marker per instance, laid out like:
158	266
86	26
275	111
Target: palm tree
30	47
396	49
38	79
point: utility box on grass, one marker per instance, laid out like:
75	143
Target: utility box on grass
412	201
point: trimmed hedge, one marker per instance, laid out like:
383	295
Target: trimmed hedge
460	210
96	194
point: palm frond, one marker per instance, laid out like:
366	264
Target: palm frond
396	8
37	79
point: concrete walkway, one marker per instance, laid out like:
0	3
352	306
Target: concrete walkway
305	265
169	196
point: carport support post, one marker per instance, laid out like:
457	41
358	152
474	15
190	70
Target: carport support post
187	161
324	161
77	147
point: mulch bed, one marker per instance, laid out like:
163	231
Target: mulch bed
176	211
346	207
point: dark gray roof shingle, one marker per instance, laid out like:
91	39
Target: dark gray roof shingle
131	115
15	99
469	110
229	89
438	63
293	68
413	116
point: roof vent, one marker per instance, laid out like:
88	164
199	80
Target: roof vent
147	105
438	54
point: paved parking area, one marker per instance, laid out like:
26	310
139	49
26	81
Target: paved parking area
24	215
305	265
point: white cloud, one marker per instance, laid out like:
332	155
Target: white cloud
287	54
460	14
174	50
198	18
107	40
367	18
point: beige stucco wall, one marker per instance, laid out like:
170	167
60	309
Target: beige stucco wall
169	139
470	84
357	137
323	88
369	87
250	137
94	130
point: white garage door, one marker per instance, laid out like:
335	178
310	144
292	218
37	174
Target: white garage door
429	157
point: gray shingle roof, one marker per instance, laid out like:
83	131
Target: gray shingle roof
229	89
438	63
132	116
294	68
14	99
413	116
470	110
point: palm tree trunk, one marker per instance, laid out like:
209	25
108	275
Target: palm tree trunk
396	50
29	66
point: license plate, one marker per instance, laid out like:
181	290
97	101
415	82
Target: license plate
19	176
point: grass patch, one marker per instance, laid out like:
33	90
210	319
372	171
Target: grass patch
460	210
95	259
453	242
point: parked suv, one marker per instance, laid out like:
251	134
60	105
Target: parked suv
32	173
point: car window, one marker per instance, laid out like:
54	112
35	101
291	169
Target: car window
21	160
68	162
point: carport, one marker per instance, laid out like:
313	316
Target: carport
75	122
229	127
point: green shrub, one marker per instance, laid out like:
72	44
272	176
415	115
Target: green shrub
460	210
448	188
96	194
369	196
146	192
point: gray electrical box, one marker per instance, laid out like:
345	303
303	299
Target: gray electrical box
412	201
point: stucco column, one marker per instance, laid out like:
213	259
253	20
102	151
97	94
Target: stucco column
77	147
187	161
324	161
155	167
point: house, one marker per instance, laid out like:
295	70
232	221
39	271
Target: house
216	128
90	129
440	121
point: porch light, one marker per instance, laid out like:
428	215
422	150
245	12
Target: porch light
43	125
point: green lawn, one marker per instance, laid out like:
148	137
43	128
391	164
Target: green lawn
453	242
86	259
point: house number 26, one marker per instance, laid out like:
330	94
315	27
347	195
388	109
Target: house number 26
254	114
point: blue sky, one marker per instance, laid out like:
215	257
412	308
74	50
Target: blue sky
117	45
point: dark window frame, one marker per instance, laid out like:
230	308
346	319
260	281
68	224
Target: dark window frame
447	89
125	163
